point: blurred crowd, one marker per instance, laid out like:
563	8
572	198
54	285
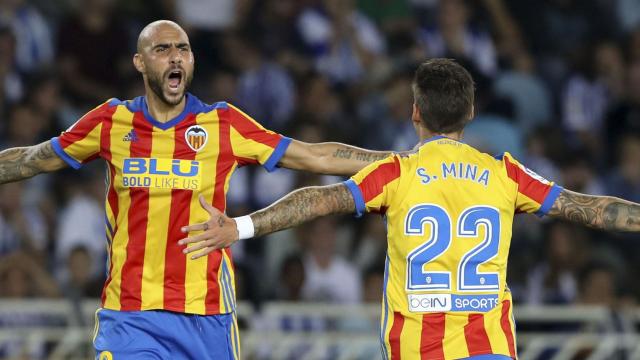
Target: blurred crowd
558	86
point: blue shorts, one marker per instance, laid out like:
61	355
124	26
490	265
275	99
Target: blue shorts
156	334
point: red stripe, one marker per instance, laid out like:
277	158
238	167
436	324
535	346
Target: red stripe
506	327
88	122
527	185
130	293
175	265
112	197
431	346
476	336
394	335
242	161
249	130
373	184
223	167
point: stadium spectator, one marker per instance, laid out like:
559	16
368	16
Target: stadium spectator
22	225
291	279
384	115
529	95
597	82
343	42
93	53
554	280
371	247
23	277
454	36
34	46
80	224
625	179
11	84
624	117
264	88
81	283
328	276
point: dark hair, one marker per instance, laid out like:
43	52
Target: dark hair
443	91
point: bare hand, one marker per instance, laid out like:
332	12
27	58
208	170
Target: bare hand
217	233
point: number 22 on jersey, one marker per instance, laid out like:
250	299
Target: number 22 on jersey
469	278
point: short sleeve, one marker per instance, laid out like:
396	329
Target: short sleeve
80	143
535	193
374	186
252	143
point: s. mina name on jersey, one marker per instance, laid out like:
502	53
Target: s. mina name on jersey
461	171
155	172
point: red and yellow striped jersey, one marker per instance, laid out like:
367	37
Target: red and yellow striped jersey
449	211
155	173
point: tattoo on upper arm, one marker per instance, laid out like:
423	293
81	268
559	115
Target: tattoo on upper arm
602	212
348	154
25	162
303	205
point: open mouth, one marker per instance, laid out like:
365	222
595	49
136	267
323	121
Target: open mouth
175	79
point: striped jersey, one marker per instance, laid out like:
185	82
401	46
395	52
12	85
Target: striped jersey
155	172
449	212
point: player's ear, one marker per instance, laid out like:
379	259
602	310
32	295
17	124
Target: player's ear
472	113
138	63
415	116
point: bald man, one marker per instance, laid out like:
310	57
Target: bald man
169	159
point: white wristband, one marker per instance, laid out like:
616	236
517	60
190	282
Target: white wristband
244	224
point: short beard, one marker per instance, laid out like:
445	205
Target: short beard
155	83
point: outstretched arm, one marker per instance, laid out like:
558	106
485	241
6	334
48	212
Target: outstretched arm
294	209
329	158
301	206
24	162
599	212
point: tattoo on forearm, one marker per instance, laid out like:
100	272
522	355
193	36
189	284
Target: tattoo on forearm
358	155
301	206
601	212
25	162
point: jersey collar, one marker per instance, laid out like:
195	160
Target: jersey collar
438	137
188	108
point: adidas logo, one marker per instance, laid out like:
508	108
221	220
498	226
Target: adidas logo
131	136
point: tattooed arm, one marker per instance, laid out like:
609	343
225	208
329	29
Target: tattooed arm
600	212
294	209
24	162
329	158
301	206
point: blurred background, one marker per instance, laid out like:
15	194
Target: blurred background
558	86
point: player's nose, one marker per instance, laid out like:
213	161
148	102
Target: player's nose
175	57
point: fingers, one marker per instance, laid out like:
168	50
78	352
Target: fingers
208	207
206	247
195	239
195	227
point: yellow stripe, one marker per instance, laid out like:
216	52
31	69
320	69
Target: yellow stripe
122	124
163	145
492	324
455	343
410	337
196	270
88	146
248	148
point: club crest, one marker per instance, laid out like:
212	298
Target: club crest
196	137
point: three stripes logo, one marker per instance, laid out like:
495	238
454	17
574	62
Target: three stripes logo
196	137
